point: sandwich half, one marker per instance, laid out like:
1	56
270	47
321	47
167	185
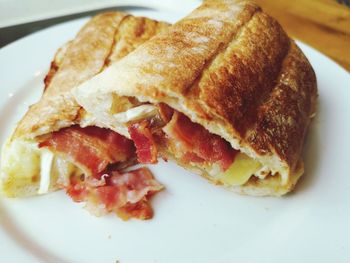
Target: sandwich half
58	145
224	92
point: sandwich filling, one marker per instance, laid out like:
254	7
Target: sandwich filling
160	131
92	163
101	156
172	135
89	163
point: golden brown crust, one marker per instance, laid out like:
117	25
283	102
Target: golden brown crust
105	38
133	32
56	63
284	116
229	67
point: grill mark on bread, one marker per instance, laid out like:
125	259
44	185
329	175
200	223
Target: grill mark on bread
235	90
56	63
141	28
193	89
281	127
185	47
52	71
116	38
274	79
261	145
86	54
260	142
132	32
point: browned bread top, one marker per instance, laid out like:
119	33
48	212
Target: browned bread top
104	39
228	66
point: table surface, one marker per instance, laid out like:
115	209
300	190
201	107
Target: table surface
322	24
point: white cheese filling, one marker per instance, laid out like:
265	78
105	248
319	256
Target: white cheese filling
135	114
45	171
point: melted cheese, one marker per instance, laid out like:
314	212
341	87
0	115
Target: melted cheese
45	171
24	164
240	171
136	113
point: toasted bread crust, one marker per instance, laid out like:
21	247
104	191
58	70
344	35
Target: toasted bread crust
229	67
283	118
104	39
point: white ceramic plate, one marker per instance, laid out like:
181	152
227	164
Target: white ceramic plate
194	221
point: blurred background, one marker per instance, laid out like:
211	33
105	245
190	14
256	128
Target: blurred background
322	24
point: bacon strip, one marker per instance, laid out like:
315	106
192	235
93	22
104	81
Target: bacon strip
92	147
76	189
196	144
146	148
126	194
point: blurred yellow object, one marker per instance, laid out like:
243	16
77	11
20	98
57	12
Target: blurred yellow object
322	24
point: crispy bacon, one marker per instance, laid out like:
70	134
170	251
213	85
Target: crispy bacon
146	148
196	143
77	189
140	210
92	147
125	193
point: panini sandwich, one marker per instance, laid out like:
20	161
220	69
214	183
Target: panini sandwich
224	92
